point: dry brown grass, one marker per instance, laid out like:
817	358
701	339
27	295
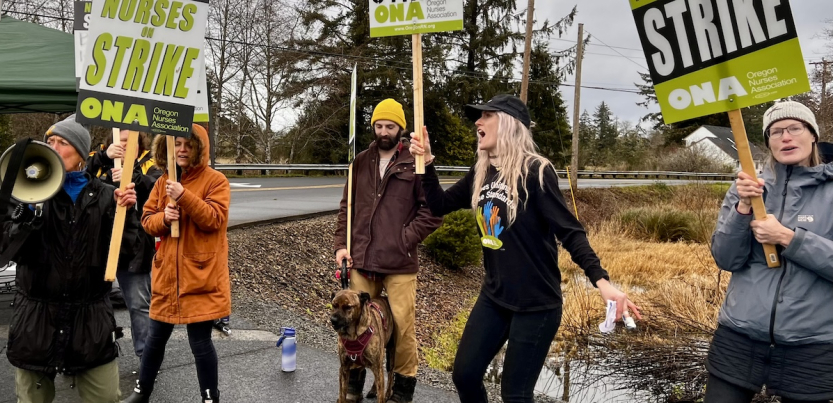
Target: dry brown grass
678	287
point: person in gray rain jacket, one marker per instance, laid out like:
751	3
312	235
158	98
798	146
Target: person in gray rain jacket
775	327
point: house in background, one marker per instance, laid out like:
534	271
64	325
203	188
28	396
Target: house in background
718	144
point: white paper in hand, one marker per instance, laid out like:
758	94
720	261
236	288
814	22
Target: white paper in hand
610	318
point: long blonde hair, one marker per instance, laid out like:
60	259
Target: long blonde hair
517	152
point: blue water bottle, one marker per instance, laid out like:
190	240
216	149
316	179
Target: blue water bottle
287	344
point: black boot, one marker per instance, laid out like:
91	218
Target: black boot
355	385
210	396
138	396
403	389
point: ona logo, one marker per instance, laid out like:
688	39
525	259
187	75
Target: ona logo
398	12
704	93
805	218
113	111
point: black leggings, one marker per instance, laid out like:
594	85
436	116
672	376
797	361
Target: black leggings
488	328
720	391
199	337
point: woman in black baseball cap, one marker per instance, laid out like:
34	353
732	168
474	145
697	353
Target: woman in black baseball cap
520	212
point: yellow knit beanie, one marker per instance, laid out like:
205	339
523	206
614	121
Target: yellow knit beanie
389	110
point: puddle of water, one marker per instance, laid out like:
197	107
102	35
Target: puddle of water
572	382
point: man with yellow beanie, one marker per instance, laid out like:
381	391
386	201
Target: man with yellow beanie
390	218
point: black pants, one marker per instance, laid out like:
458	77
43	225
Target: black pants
720	391
488	328
199	337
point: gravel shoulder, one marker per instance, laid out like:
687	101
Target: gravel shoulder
283	274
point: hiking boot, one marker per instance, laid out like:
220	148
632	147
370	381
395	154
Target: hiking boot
138	396
403	389
355	385
210	396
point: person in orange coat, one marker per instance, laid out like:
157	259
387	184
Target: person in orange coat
190	276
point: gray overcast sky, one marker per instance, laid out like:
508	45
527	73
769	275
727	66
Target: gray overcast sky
611	22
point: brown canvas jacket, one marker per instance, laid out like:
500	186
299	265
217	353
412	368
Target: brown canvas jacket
390	215
190	275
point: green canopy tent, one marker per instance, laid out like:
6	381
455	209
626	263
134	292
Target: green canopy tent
37	68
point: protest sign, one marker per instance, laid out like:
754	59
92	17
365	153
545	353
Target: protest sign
392	17
711	56
142	63
80	26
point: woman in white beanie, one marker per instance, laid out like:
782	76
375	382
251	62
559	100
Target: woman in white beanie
775	327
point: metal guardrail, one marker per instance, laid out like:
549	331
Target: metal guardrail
586	174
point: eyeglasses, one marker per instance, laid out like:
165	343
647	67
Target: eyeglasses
794	130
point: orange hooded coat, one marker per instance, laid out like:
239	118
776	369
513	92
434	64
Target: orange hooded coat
190	275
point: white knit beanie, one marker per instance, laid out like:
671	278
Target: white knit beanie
789	110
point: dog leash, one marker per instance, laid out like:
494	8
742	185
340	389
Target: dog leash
344	275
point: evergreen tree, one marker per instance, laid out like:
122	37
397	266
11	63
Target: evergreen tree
551	132
587	141
606	132
485	54
384	71
460	68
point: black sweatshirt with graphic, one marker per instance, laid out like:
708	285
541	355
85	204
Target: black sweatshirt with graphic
521	259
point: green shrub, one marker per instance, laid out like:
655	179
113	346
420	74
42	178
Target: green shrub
665	224
441	355
456	243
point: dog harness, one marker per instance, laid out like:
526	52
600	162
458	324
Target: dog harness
355	348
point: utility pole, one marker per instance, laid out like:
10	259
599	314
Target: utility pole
576	107
527	50
823	107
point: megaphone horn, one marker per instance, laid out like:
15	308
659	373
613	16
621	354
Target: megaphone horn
40	175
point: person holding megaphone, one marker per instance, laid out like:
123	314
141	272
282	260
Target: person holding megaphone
63	320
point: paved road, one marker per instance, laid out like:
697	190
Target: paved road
249	369
258	199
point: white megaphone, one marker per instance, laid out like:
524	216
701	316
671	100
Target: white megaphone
40	176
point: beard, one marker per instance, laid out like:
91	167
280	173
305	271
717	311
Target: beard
386	143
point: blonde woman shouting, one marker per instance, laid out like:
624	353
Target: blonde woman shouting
520	211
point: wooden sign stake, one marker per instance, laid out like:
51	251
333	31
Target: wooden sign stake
419	120
121	211
171	146
116	140
748	165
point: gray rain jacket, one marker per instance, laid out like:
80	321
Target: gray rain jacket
791	304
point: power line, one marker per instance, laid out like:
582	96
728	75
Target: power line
620	53
593	44
372	61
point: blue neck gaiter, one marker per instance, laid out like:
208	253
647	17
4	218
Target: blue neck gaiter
74	183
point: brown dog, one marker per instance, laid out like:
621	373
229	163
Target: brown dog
364	328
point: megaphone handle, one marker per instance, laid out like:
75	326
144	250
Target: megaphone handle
171	143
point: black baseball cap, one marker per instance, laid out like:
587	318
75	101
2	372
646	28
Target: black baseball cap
511	105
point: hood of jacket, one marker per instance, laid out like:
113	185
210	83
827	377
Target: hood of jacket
199	142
